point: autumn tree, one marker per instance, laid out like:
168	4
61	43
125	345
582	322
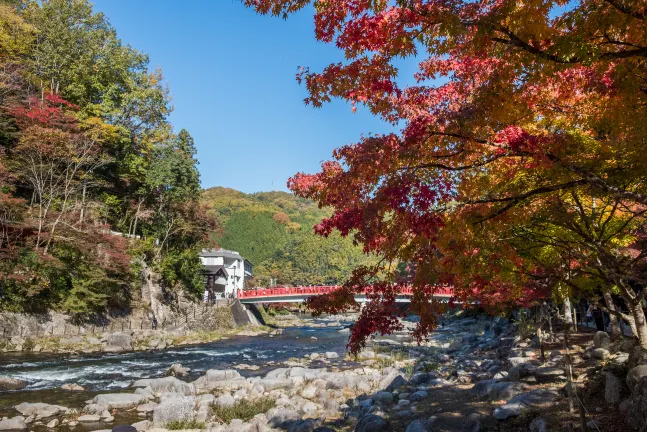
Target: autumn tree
512	104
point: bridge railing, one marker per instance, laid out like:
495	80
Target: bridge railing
323	289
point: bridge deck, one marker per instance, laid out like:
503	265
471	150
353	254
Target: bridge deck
300	293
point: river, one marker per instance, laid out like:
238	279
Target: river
44	374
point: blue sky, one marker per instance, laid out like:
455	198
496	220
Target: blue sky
232	77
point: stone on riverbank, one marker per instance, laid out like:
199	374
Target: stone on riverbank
166	385
372	423
12	424
175	407
40	410
7	383
119	400
531	401
72	387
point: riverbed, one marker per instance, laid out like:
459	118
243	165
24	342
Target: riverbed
45	374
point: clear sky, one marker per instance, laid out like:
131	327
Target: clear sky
232	77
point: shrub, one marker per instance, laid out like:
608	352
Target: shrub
243	409
184	424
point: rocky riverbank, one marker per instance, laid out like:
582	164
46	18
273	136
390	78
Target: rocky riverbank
474	374
54	333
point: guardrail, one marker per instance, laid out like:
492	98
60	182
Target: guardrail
444	291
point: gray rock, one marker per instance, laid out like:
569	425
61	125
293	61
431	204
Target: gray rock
418	396
331	355
72	387
372	423
119	400
225	401
497	390
40	410
89	418
601	340
177	369
534	400
276	383
220	379
175	408
7	383
397	382
635	375
637	356
420	378
614	388
417	426
15	423
52	424
538	425
142	426
600	353
307	425
383	397
281	416
121	339
166	385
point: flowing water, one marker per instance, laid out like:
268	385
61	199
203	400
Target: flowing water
44	374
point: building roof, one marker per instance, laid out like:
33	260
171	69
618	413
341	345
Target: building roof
249	262
220	253
211	269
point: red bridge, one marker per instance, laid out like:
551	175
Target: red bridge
300	293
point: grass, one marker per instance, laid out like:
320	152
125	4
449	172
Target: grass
243	409
184	424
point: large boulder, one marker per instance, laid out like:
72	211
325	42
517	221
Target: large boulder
417	426
637	356
118	342
13	424
166	385
602	340
497	390
40	410
219	379
276	383
600	353
119	400
534	400
372	423
614	388
177	369
383	397
635	375
7	383
174	408
397	382
281	417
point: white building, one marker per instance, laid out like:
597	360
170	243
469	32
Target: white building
225	272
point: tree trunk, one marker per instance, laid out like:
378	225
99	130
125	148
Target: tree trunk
641	326
616	325
568	314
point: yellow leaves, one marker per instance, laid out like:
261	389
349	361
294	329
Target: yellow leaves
96	129
15	34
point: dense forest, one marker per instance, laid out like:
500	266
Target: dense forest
274	230
94	181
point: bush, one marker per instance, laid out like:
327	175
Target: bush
243	409
184	424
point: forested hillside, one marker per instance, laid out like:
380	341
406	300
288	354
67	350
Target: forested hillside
86	153
274	230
